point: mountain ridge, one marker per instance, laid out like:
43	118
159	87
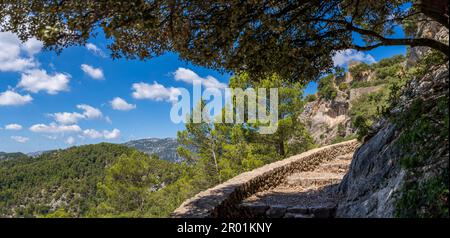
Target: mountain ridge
164	148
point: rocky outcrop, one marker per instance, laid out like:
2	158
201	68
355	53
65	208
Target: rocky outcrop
356	93
224	200
427	29
375	179
328	119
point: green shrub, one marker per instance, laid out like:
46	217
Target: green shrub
388	71
343	86
326	88
340	139
387	62
367	109
311	98
427	200
357	70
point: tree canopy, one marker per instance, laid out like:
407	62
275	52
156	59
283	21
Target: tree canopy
224	150
294	39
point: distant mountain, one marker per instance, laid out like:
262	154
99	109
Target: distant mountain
165	149
39	153
8	156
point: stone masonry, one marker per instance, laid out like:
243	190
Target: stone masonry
307	175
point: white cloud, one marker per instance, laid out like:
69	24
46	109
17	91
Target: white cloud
90	112
121	105
67	118
16	65
95	50
114	134
10	98
13	127
343	57
95	73
33	46
189	76
18	56
70	140
20	139
94	134
38	80
11	49
53	128
51	137
155	91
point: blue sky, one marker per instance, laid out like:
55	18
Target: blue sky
50	101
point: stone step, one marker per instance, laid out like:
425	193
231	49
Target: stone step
256	210
297	215
276	211
325	210
345	157
307	179
335	166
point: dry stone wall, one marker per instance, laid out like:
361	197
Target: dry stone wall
223	200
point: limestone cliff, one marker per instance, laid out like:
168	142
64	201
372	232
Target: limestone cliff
328	119
402	170
376	178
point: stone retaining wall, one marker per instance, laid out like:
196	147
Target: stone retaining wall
223	200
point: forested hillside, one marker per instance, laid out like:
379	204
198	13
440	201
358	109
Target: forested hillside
64	180
165	148
7	156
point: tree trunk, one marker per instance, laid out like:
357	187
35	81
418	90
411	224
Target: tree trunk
281	149
216	165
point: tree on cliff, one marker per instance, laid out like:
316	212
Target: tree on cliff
292	38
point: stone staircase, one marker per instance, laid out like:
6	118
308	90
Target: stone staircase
309	194
301	186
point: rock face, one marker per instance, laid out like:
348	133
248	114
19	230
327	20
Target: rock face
374	181
375	178
428	29
328	119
